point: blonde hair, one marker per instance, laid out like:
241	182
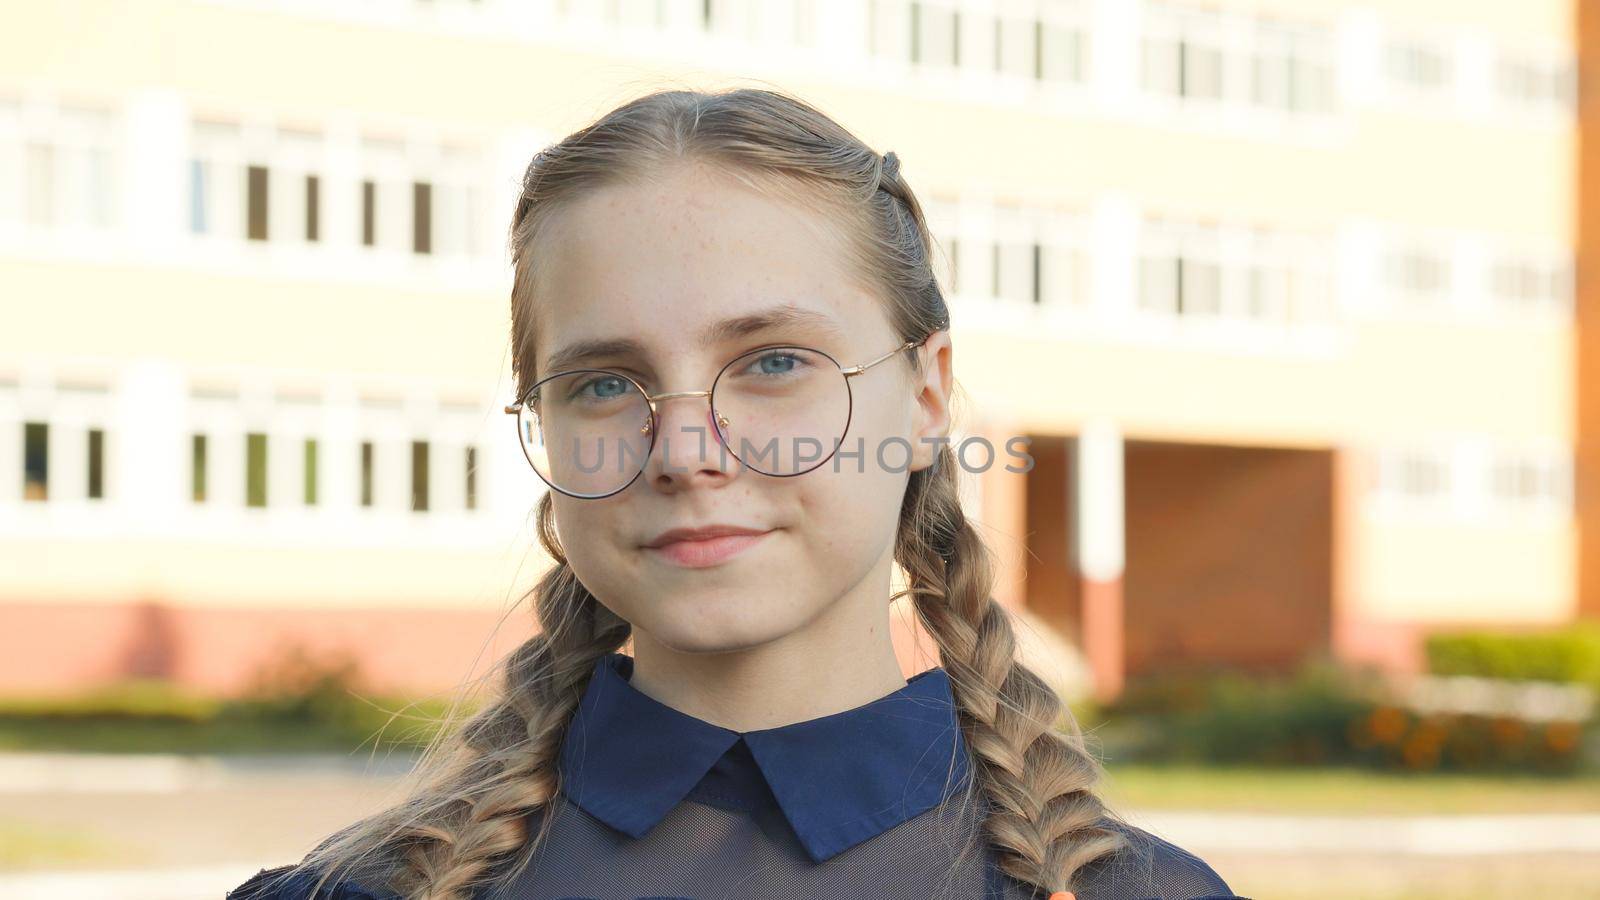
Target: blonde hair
468	822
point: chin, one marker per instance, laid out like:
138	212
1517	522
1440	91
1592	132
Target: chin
708	628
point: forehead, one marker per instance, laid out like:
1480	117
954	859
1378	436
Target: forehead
660	262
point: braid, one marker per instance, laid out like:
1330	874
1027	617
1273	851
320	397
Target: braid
1045	817
515	744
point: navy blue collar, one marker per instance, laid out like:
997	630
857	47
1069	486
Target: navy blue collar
840	779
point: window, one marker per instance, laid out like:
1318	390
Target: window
935	34
1014	270
218	180
41	181
419	476
198	192
1529	284
454	203
1060	43
1292	68
1198	53
1182	53
197	468
1422	476
255	468
1417	65
294	189
1532	82
472	478
35	461
313	208
1412	474
57	165
1158	283
1526	479
369	214
1199	287
256	203
97	466
1061	274
1237	272
1180	270
1418	274
366	473
421	217
310	468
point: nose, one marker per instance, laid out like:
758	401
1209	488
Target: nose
688	444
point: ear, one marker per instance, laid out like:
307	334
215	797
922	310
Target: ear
933	399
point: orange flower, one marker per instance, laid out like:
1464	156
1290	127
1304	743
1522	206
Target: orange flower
1507	730
1421	750
1387	724
1562	737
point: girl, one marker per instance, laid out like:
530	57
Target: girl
734	371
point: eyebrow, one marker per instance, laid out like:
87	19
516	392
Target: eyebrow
781	316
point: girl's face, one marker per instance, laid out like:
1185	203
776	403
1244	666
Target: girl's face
661	266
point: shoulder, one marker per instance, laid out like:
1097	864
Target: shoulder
1151	868
294	883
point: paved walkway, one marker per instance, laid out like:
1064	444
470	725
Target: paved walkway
162	814
1440	835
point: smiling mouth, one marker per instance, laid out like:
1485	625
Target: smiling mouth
712	551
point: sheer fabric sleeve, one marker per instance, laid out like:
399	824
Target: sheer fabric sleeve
1151	868
292	883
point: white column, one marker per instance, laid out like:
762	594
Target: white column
285	449
1113	245
147	452
341	188
68	459
1114	54
1359	63
1358	276
155	170
448	467
1474	57
10	444
225	473
339	453
1097	495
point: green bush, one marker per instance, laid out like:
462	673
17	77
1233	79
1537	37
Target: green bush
144	699
1322	714
297	701
1569	654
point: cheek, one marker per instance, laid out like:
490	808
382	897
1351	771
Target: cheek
591	540
854	510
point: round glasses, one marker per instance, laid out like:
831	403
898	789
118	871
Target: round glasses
781	411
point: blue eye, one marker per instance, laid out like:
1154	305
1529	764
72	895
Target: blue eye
777	363
780	360
606	387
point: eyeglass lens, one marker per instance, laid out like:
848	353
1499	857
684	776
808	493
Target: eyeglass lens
780	411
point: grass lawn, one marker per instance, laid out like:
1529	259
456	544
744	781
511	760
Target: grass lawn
28	844
165	736
1333	790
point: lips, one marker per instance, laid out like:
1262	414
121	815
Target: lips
702	533
697	548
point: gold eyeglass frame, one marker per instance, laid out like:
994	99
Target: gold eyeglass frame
652	425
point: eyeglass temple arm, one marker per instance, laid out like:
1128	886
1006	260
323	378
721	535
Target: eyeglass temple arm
857	370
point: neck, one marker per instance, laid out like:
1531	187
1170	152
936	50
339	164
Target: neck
842	659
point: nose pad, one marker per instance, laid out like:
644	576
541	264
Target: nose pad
714	419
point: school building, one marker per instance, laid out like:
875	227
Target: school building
1281	292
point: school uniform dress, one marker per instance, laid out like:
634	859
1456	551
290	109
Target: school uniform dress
872	802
